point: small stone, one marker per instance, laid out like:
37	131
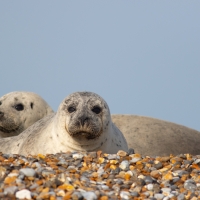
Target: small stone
23	194
146	194
28	172
114	162
77	156
47	173
189	186
104	187
89	195
122	153
66	187
100	171
127	176
148	179
197	161
61	193
9	180
113	157
134	160
134	194
101	160
125	195
150	186
166	191
166	198
104	197
10	190
175	179
41	156
158	165
165	159
155	174
77	196
168	176
141	176
43	195
124	165
158	196
181	196
2	172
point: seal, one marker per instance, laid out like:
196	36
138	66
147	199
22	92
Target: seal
82	123
19	110
156	137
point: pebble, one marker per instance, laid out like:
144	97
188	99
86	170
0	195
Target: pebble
159	196
150	186
125	195
28	172
23	194
10	190
95	175
89	195
124	165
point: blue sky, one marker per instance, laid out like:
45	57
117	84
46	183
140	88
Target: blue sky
142	57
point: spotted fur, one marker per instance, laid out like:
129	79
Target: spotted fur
82	123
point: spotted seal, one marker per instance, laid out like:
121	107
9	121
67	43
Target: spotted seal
82	123
19	110
156	137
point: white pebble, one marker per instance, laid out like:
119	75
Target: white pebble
77	156
134	160
13	174
124	165
23	194
150	186
125	195
166	191
141	176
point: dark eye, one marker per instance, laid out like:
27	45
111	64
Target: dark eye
96	109
71	109
0	103
19	107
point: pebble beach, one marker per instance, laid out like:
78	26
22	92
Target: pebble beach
95	175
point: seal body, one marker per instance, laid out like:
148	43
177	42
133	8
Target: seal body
82	123
155	137
19	110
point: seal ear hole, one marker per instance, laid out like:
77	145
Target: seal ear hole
71	109
31	104
19	107
96	109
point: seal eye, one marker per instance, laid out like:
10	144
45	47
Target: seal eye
96	109
71	109
19	107
0	103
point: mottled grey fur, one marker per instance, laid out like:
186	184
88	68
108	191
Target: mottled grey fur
13	121
82	123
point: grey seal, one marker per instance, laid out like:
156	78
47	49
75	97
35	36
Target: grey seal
156	137
19	110
82	123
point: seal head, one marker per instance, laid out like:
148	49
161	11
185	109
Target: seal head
87	115
19	110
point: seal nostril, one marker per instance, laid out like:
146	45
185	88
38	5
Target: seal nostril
83	120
